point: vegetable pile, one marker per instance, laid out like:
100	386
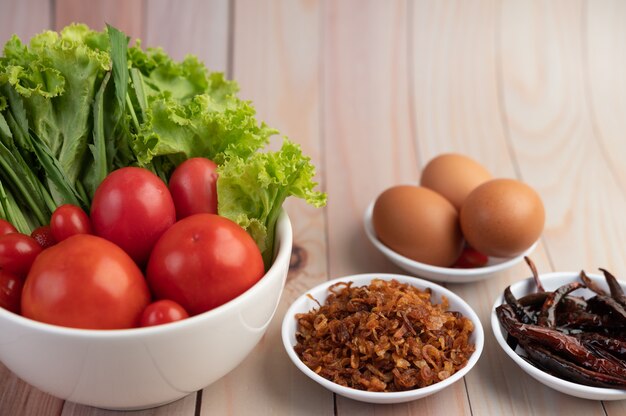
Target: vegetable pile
127	177
76	105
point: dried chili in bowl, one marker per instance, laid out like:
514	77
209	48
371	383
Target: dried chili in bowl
387	336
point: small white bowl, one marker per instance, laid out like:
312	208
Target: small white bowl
145	367
304	304
441	274
550	282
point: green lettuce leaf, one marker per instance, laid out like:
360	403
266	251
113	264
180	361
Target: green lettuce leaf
181	81
57	76
251	191
198	128
184	111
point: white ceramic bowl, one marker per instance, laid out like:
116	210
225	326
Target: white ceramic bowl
145	367
436	273
304	304
550	282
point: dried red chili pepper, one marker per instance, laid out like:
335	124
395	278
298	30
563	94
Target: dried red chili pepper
581	340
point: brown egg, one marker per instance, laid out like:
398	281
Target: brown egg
418	223
454	176
502	217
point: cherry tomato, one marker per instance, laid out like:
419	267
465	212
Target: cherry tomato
6	227
85	282
132	207
17	253
203	261
10	291
162	312
194	187
68	220
43	236
470	258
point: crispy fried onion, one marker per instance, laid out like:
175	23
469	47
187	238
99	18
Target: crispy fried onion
387	336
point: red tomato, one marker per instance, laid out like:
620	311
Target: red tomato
194	187
132	207
10	291
43	236
203	261
6	227
17	253
85	282
68	220
470	259
162	312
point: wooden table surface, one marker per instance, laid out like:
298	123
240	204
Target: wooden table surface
534	90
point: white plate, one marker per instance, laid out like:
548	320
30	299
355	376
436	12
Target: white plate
441	274
550	282
304	304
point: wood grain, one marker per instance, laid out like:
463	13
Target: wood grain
604	24
367	133
454	79
552	131
279	72
195	27
126	15
554	144
457	109
17	398
183	407
368	123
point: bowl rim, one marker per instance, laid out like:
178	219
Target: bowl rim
576	389
384	397
284	238
449	271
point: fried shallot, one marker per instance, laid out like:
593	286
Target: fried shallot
387	336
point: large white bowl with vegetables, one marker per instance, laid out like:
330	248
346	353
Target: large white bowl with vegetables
92	133
145	367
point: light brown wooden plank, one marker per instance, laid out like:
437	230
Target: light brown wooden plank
552	133
455	89
279	72
457	108
555	146
184	407
370	147
195	27
367	132
18	398
126	15
604	53
604	58
24	18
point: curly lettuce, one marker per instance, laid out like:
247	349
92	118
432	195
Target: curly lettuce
56	77
185	112
251	191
